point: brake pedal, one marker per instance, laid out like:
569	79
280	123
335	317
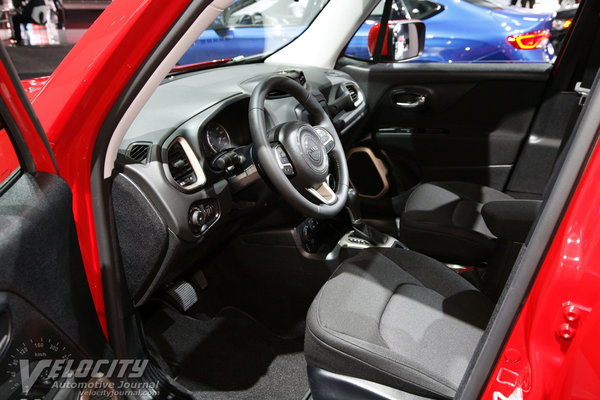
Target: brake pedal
183	295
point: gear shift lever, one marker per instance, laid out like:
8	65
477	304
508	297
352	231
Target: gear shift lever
353	207
361	229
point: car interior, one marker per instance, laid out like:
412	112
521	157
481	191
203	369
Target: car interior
349	231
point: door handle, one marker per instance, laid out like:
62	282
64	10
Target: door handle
407	100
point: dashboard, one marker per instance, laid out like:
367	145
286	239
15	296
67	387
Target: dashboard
185	173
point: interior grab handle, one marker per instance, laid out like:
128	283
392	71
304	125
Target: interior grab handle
404	101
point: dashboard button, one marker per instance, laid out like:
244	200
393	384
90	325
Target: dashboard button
282	155
325	138
288	170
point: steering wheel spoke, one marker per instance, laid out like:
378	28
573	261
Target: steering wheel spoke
283	160
324	193
325	137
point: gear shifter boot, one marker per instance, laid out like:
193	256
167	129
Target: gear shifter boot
362	230
369	234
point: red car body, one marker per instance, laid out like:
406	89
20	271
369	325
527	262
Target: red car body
79	94
552	351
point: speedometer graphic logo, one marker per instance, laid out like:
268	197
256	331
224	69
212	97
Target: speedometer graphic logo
26	368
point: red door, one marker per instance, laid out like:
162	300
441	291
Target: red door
46	309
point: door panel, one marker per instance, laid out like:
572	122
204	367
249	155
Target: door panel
451	121
44	294
47	317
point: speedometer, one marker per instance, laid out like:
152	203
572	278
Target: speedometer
216	137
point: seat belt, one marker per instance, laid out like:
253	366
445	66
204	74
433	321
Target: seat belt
565	147
559	114
583	87
583	92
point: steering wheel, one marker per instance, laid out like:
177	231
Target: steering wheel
295	156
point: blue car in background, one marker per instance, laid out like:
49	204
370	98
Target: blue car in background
456	31
469	31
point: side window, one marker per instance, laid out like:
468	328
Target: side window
468	31
9	162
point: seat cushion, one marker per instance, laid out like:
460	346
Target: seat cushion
443	220
398	318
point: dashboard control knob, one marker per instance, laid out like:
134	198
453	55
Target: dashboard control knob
227	159
202	215
198	216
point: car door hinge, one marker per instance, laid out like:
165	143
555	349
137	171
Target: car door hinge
583	92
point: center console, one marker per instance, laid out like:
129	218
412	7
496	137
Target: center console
315	238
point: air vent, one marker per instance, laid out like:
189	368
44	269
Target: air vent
302	79
184	166
355	94
139	152
180	166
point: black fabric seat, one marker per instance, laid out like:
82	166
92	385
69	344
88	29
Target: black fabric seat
397	318
443	220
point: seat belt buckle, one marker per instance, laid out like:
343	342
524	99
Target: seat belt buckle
583	92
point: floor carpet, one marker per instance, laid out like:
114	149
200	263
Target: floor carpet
228	356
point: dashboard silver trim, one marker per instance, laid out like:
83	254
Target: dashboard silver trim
196	167
323	193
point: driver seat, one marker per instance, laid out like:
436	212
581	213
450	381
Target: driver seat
394	321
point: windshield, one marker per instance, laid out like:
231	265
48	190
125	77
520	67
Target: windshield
253	27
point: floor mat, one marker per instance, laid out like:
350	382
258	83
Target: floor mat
229	356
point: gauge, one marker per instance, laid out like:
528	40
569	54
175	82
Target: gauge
216	137
30	353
